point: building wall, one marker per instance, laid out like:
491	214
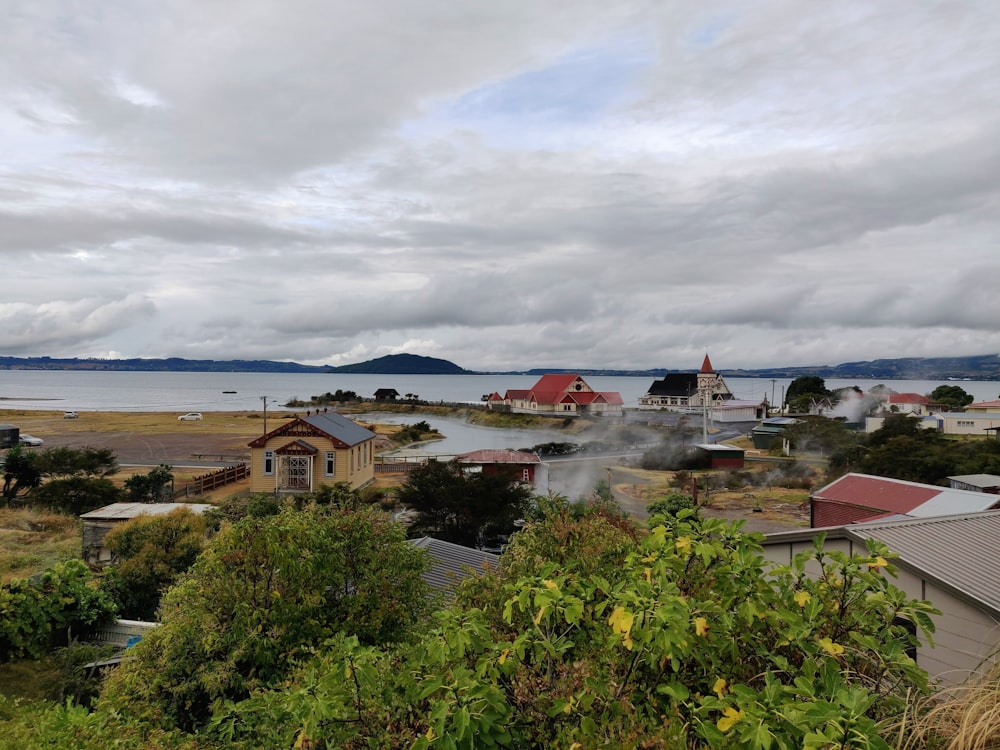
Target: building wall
967	424
354	465
964	637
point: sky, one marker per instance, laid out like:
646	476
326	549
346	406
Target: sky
504	185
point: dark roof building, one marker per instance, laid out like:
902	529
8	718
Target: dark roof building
452	563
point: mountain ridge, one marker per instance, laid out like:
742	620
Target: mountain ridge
977	367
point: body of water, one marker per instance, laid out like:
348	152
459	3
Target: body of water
245	391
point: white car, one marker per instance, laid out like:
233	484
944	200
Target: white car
27	439
191	416
70	415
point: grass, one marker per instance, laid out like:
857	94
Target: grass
33	540
40	423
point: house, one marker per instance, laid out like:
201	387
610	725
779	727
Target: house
386	394
684	391
560	394
984	407
525	467
452	563
307	452
908	403
721	456
856	498
97	523
950	561
989	483
967	423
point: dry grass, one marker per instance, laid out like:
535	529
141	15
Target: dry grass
966	717
32	540
40	423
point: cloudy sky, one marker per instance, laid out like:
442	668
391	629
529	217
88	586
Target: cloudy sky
503	184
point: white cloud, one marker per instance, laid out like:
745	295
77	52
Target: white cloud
505	186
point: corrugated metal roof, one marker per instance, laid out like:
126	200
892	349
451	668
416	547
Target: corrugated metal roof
899	496
958	551
124	511
340	427
978	480
451	563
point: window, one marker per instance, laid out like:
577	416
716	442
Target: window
526	475
331	463
268	463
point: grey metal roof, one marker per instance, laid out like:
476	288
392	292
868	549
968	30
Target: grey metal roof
958	552
451	563
340	427
978	480
124	511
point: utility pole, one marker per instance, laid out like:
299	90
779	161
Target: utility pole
264	399
772	393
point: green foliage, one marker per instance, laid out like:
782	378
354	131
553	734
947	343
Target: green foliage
20	473
820	435
75	495
37	616
951	395
414	433
804	390
263	594
669	506
153	487
691	641
62	462
150	553
672	455
456	507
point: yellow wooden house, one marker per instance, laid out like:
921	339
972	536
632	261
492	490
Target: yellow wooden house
307	452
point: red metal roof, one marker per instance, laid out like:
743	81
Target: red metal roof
908	398
706	366
878	493
995	404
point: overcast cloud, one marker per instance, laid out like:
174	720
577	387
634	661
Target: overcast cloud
505	185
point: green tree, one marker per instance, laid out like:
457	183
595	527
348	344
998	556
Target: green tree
463	508
63	462
153	487
39	615
670	505
20	473
820	435
690	641
150	553
265	593
76	495
804	390
951	395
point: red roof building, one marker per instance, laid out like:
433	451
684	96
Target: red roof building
525	467
854	498
561	394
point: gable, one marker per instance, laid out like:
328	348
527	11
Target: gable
342	432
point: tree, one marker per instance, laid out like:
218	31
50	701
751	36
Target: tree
154	487
265	593
688	639
150	553
670	505
20	473
820	435
804	390
76	495
465	509
951	395
63	462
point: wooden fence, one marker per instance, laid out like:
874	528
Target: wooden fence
220	478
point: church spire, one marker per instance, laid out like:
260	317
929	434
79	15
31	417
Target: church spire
706	366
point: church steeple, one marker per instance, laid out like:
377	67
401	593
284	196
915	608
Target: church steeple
706	366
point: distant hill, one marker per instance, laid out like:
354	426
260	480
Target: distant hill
981	367
403	364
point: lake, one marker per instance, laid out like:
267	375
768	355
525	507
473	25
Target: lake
245	391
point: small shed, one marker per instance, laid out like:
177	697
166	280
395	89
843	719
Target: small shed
722	456
770	432
10	435
386	394
521	465
97	523
989	483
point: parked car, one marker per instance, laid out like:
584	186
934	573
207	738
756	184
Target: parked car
191	416
70	415
27	439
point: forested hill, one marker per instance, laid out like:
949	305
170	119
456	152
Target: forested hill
403	364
